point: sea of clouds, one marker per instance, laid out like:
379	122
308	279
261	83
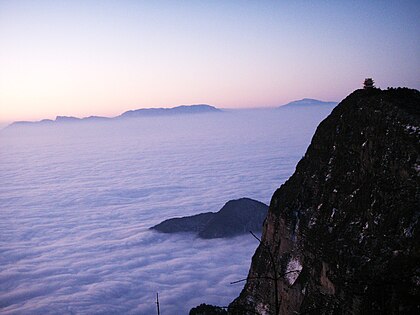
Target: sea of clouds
77	202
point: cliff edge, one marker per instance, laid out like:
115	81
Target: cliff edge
342	234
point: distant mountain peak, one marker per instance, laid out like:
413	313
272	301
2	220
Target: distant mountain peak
178	110
308	102
143	112
66	118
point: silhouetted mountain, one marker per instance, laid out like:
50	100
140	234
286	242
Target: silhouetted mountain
146	112
195	223
97	118
308	102
30	123
342	234
179	110
236	217
58	120
66	119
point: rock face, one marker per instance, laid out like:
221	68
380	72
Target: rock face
236	217
342	233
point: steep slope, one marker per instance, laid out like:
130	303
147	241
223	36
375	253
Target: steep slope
236	217
342	232
194	223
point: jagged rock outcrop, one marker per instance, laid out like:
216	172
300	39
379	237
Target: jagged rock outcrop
343	231
236	217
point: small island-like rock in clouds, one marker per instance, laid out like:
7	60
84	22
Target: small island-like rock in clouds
236	217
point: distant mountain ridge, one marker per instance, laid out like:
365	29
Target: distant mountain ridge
308	102
179	110
172	111
143	112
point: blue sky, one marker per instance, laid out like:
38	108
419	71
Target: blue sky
104	57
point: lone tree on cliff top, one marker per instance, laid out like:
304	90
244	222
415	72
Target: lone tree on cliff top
368	84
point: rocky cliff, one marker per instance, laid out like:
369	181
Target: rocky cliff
342	234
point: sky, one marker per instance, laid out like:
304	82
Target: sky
82	58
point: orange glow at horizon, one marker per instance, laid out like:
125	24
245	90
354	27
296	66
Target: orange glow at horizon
81	59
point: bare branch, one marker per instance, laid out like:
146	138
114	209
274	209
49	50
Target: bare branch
252	233
252	278
157	303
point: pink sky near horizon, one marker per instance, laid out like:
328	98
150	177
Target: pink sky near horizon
85	58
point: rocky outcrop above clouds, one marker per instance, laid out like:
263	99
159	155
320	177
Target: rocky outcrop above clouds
342	234
236	217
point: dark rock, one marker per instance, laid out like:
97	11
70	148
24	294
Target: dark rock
236	217
343	231
195	223
205	309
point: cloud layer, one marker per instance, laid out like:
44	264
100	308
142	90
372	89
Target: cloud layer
76	203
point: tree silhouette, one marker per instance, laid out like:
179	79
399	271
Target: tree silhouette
368	84
205	309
